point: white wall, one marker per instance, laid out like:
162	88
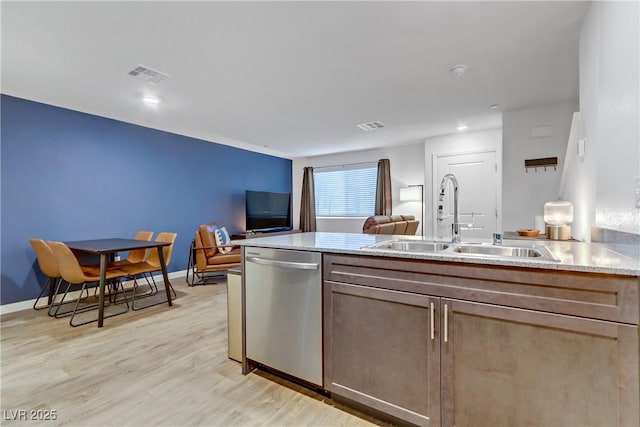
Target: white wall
616	134
490	139
407	167
524	193
601	185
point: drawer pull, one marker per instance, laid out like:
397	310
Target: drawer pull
433	326
446	323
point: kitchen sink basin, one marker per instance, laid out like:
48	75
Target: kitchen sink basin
410	246
535	252
481	250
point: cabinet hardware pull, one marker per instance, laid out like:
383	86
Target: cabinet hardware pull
284	264
446	323
433	326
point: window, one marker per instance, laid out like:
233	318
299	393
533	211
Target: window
344	191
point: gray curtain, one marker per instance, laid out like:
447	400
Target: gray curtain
383	188
308	202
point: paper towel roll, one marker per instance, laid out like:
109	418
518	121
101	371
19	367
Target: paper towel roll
538	223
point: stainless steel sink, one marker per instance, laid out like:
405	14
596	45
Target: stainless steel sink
535	252
410	246
481	250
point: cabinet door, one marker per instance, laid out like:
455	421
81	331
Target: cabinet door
512	367
382	350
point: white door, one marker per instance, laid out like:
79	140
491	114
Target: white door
477	176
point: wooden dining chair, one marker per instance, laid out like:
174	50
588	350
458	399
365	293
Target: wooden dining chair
152	264
75	274
49	266
136	255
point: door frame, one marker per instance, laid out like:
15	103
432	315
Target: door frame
435	187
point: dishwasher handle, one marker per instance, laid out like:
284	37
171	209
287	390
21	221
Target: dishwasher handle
284	264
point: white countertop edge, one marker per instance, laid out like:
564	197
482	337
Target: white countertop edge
299	243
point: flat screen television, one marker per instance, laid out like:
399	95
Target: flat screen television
267	211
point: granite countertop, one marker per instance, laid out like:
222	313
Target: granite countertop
574	256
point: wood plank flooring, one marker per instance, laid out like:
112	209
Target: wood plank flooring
160	366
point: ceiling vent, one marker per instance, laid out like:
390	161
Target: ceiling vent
149	75
370	126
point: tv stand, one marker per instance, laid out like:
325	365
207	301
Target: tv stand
252	234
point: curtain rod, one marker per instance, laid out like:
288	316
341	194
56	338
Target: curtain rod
346	164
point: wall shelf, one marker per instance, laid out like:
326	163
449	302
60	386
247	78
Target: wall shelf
546	162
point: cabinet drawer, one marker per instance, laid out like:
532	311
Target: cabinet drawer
591	295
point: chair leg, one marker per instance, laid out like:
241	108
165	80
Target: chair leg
49	284
150	293
173	291
75	309
114	288
120	284
59	283
154	287
133	293
209	277
94	306
191	266
57	313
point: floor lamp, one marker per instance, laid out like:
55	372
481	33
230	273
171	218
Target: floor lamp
414	193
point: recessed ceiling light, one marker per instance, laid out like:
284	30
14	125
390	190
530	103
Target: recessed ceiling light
494	106
458	70
462	127
150	100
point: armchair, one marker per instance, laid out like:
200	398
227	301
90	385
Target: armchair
205	258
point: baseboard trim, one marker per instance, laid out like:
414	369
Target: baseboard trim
27	305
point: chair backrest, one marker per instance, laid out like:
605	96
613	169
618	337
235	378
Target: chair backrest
208	240
200	254
68	264
46	259
139	255
167	250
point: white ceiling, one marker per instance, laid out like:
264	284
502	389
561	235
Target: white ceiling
295	78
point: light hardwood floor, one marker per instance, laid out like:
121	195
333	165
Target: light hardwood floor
159	366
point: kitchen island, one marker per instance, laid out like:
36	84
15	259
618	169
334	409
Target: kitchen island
449	338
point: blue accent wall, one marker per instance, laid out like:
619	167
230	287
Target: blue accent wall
69	176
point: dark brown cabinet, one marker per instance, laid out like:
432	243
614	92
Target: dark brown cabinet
383	351
506	366
427	343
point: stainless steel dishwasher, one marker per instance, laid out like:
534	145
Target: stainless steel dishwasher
283	294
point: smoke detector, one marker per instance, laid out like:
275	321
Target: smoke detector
370	126
458	70
149	75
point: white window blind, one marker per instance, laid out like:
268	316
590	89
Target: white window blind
346	191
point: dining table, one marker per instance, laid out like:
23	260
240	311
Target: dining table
105	248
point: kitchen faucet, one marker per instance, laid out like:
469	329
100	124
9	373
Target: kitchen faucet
455	227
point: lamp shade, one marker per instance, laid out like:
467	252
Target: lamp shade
411	194
558	213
